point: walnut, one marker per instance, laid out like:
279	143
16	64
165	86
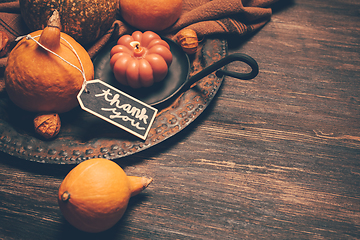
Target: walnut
4	44
188	40
47	124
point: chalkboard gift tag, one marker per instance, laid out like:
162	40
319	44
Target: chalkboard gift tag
117	107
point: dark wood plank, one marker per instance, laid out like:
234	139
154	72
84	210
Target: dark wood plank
276	157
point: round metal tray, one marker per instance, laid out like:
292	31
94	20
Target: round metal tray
84	136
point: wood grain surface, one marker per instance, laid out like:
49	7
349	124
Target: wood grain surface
277	157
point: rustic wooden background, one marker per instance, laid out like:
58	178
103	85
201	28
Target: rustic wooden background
277	157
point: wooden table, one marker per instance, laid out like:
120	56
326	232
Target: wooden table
277	157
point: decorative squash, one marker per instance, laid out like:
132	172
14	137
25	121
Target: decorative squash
141	59
95	194
83	20
37	80
153	15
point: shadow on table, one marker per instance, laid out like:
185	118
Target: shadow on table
69	232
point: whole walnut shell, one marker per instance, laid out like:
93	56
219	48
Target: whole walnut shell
47	124
188	40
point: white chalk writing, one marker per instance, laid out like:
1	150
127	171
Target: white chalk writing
139	114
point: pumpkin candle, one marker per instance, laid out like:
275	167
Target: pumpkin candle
140	59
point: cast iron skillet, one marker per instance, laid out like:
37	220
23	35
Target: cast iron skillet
177	77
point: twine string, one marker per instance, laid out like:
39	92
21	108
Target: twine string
82	71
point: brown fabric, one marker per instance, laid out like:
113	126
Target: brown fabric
220	16
206	17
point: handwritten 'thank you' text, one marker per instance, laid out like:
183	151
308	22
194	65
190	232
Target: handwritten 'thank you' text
116	107
139	115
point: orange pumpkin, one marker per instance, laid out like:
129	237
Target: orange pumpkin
94	195
154	15
37	80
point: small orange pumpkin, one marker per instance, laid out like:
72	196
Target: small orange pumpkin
37	80
154	15
95	194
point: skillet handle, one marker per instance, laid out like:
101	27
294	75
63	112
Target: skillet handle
226	60
242	58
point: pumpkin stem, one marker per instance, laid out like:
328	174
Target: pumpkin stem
50	37
137	184
65	196
54	20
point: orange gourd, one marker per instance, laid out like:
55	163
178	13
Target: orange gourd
94	195
153	15
37	80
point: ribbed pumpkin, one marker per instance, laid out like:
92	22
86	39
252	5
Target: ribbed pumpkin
84	20
94	195
140	59
37	80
